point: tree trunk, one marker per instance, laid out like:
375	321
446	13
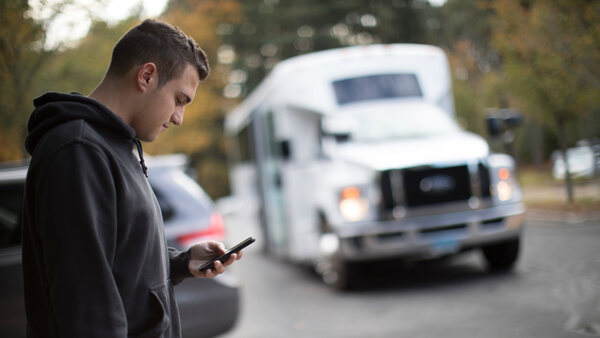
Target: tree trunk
538	146
562	134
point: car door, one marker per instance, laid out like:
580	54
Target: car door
12	306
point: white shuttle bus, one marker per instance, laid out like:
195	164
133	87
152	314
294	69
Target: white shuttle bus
354	156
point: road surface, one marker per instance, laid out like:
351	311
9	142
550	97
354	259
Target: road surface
554	291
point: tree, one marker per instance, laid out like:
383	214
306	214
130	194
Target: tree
274	30
551	57
465	35
24	50
81	68
20	59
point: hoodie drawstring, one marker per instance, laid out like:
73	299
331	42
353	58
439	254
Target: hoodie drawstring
138	145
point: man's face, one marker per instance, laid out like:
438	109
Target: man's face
165	105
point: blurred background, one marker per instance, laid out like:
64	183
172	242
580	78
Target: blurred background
537	58
541	58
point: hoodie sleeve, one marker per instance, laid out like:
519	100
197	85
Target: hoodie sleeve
180	261
76	213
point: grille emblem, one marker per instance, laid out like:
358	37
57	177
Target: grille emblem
437	184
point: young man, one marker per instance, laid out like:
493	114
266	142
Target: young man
95	260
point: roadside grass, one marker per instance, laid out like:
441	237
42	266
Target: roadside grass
542	191
530	176
579	205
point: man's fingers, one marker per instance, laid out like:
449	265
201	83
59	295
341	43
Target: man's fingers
208	274
219	267
230	260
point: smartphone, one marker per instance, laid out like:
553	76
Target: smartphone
224	257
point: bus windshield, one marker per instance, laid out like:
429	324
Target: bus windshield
400	124
376	87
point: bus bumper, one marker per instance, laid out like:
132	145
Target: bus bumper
430	236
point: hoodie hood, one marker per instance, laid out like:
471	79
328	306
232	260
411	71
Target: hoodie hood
53	109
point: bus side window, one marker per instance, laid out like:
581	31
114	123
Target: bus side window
243	143
286	151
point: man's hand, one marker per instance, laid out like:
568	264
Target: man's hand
205	251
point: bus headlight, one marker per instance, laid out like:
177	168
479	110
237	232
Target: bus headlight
504	188
353	205
504	191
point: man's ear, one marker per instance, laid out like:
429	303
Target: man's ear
146	75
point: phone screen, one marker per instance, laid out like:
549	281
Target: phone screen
224	257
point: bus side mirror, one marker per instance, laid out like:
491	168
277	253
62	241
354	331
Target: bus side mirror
502	120
285	149
493	126
513	120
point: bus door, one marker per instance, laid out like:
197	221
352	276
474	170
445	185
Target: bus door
273	213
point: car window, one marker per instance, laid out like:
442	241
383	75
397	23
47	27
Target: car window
11	204
166	208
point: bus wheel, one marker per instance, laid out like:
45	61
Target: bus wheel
343	276
502	256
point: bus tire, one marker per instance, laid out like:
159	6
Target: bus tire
502	256
346	275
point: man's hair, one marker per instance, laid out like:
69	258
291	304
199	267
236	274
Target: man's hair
170	49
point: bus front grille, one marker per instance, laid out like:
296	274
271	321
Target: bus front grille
423	186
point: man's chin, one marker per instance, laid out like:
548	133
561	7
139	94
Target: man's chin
148	138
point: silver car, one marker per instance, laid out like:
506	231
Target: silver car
208	307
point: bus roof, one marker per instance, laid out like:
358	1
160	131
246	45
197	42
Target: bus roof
319	62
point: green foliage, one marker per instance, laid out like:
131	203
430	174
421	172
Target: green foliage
276	30
82	68
25	56
551	52
475	64
20	60
540	56
201	134
27	71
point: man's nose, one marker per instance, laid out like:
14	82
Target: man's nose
177	117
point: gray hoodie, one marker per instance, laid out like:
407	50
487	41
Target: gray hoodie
95	260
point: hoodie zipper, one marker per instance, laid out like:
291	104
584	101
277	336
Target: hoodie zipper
138	145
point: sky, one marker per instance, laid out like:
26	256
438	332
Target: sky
74	21
437	2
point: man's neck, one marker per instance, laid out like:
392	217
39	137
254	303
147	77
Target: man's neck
111	94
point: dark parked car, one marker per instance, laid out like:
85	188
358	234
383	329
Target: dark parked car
208	307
